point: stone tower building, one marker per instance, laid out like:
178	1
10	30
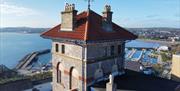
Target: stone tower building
86	48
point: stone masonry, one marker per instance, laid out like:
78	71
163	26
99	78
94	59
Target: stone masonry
91	61
86	49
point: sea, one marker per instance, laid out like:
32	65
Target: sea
14	46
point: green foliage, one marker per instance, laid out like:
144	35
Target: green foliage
11	79
165	58
8	75
36	77
41	76
156	38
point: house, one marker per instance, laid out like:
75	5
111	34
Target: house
86	48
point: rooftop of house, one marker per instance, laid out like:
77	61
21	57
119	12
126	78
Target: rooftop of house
133	65
89	28
134	81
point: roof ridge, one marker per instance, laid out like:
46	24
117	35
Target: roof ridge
87	26
81	13
124	29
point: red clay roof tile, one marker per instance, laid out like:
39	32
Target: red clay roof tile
89	27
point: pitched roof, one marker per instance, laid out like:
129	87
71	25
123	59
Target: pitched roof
89	27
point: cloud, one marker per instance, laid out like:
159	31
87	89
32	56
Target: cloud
10	9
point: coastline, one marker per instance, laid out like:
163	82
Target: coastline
21	32
165	43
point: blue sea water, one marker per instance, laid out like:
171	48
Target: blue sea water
14	46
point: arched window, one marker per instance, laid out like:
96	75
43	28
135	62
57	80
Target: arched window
59	72
59	76
73	79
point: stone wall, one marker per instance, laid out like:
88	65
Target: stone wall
67	64
67	23
72	58
71	50
102	49
100	62
68	18
92	62
109	66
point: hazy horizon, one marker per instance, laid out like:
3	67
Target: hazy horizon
123	27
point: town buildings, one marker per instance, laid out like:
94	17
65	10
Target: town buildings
86	48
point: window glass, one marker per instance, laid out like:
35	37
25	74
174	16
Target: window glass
119	49
63	49
57	48
112	50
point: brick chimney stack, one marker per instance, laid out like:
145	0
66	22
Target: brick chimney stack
107	13
68	18
107	18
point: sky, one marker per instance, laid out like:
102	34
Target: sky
126	13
